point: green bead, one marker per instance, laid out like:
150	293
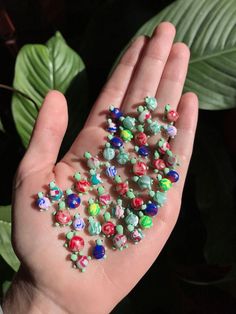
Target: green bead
145	222
129	123
160	197
165	184
154	127
94	209
122	158
151	103
109	153
145	182
126	135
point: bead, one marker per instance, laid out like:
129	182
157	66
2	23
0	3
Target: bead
73	201
122	158
145	222
119	241
118	211
111	171
172	116
108	228
94	209
76	244
126	135
164	148
63	217
171	131
165	184
143	151
131	219
122	188
144	182
105	199
137	203
151	209
129	123
112	128
170	160
94	227
93	163
55	193
140	138
109	153
154	127
116	113
160	198
151	103
116	142
82	186
173	176
139	168
95	179
82	262
136	235
78	224
43	203
159	164
143	116
99	251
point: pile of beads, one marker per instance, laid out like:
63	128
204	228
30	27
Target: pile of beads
139	196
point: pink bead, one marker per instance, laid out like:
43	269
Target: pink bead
137	203
108	228
140	168
122	188
119	241
76	244
82	261
82	186
159	164
63	217
140	138
172	116
105	199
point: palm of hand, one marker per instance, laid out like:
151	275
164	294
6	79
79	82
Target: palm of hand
160	70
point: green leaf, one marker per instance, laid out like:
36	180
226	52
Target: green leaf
5	213
1	126
208	28
6	250
39	69
5	286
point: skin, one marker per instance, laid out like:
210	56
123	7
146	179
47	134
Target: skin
45	282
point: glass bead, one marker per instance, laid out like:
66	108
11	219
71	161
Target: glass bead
151	209
76	244
145	222
173	176
116	113
111	171
116	142
143	151
98	251
73	201
139	168
108	153
165	184
140	138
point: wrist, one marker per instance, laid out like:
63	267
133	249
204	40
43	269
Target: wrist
23	297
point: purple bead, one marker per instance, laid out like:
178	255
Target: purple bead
116	113
116	142
151	209
173	176
143	151
98	251
73	201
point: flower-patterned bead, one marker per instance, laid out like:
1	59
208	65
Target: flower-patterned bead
159	164
165	184
63	217
108	228
119	241
145	222
137	203
122	188
140	138
136	235
76	244
82	186
140	168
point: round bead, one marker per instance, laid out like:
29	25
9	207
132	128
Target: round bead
171	131
159	164
154	127
140	138
116	113
78	224
136	235
137	203
116	142
165	184
172	116
93	163
129	123
111	171
139	168
43	203
173	176
76	244
151	103
126	135
73	200
119	241
105	199
122	188
82	262
164	148
94	227
122	158
94	209
151	209
160	198
82	186
143	116
145	222
55	193
109	153
98	251
145	182
108	228
63	217
143	151
131	219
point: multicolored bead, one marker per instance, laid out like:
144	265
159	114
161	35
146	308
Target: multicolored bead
151	209
94	227
82	186
140	138
108	153
78	223
120	241
159	164
122	188
173	176
126	135
111	171
82	262
140	168
172	116
76	244
73	200
94	209
43	203
55	192
137	203
145	222
99	250
116	114
108	228
165	184
136	235
151	103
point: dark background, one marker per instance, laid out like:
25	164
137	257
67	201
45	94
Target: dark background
181	280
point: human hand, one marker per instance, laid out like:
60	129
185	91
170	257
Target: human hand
45	282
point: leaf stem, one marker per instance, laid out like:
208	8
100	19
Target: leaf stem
14	90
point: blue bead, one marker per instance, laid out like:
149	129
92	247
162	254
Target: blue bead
173	176
111	171
73	201
116	142
98	251
151	209
116	113
143	151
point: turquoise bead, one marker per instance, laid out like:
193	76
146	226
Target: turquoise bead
129	123
132	219
154	127
109	153
151	103
122	158
145	182
160	197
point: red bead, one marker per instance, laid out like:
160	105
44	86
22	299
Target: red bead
137	203
108	228
122	188
140	138
76	244
159	164
63	217
140	168
164	148
82	186
172	116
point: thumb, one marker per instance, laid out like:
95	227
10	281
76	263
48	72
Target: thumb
48	133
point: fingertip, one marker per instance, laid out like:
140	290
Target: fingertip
166	27
181	50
